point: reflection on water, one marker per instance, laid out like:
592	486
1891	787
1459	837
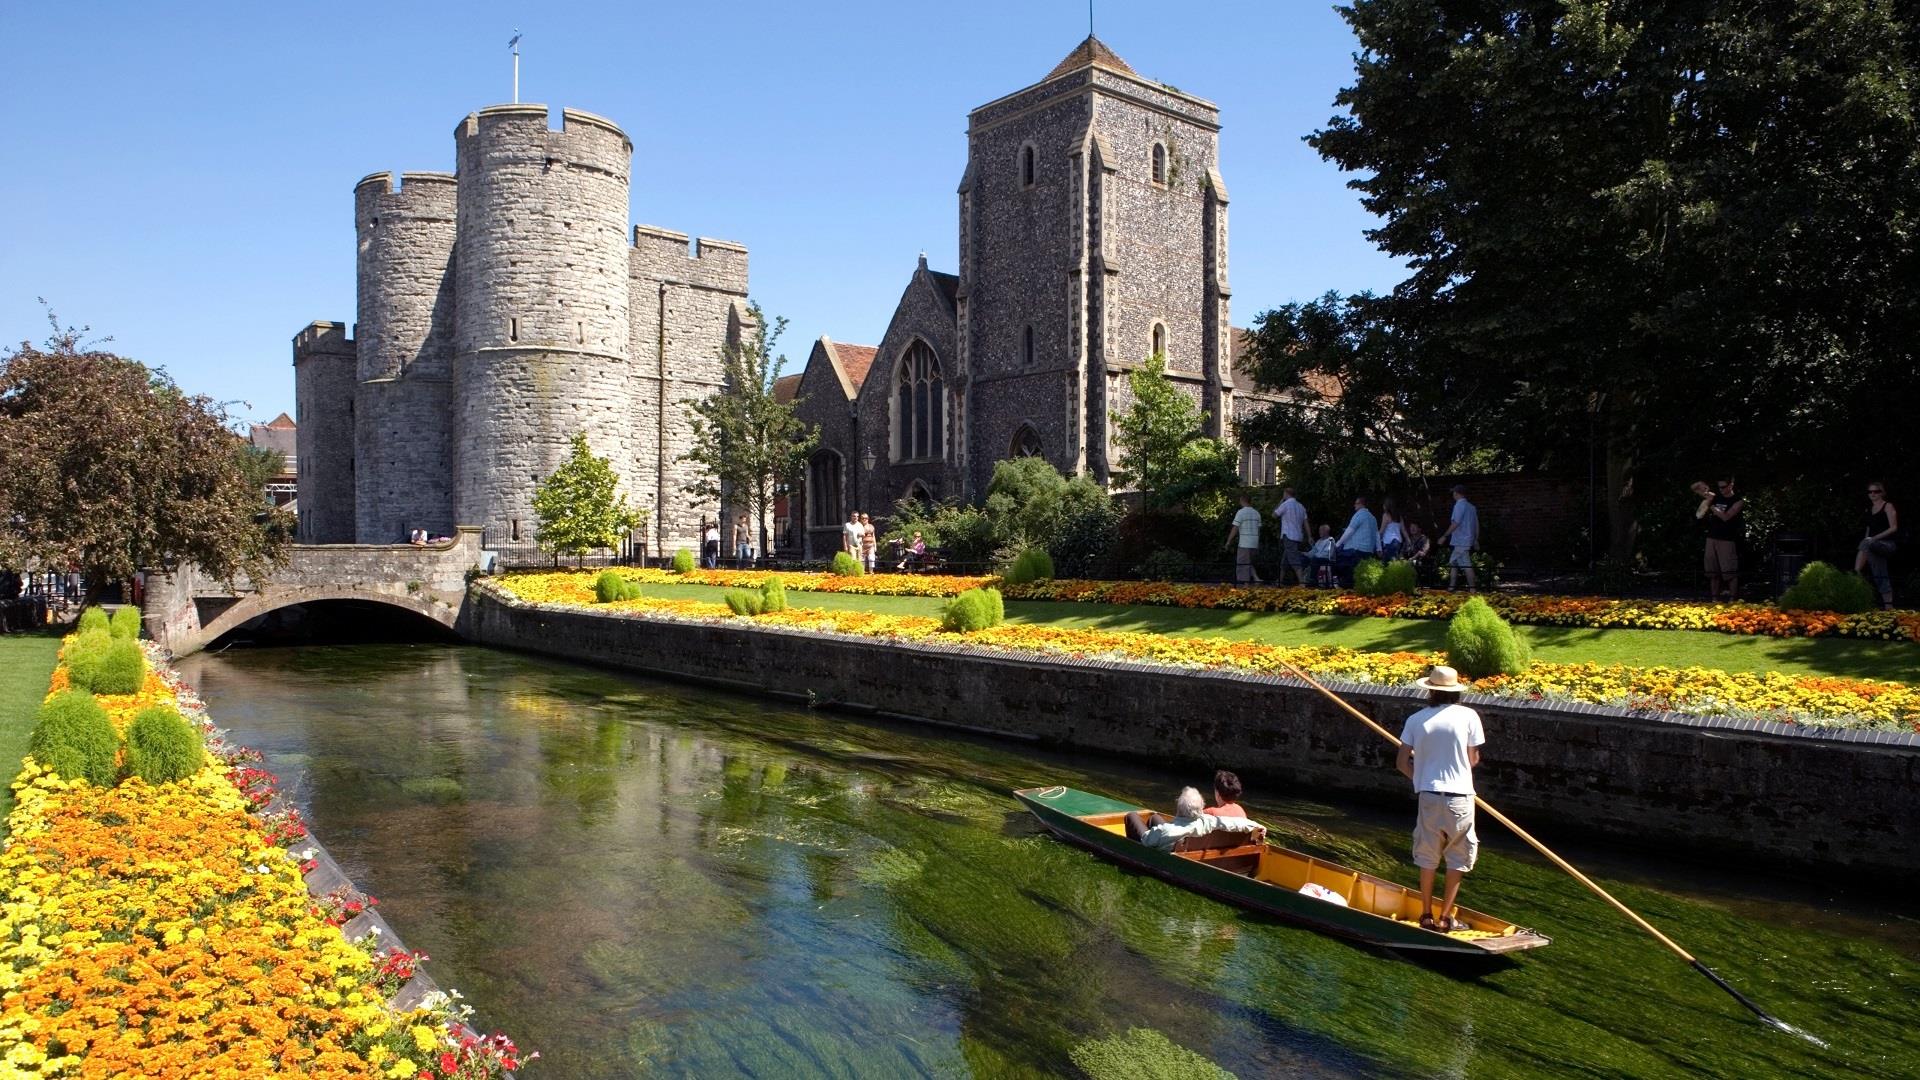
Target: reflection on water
638	877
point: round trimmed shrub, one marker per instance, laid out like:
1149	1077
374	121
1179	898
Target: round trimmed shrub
1371	577
1366	576
92	619
773	595
122	668
125	622
972	611
1399	577
1033	564
1824	587
845	565
1480	643
74	738
742	602
683	561
82	652
610	586
163	747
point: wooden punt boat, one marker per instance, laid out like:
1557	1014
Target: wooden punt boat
1267	878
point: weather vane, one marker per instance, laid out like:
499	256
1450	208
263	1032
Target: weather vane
515	46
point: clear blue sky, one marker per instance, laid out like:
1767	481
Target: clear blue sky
183	179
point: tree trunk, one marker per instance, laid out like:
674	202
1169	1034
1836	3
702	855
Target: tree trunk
1623	525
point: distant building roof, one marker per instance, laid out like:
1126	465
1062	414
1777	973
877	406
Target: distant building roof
1091	53
281	421
1242	370
784	388
855	360
279	434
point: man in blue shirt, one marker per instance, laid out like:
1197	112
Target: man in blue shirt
1360	540
1464	531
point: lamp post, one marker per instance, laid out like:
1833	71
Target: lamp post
868	459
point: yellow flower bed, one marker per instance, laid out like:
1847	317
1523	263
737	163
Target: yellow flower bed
1787	698
1594	612
157	931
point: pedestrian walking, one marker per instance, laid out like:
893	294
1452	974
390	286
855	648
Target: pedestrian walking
1721	509
1883	524
743	540
1246	530
1439	747
1393	536
869	541
1463	530
852	535
1296	535
709	543
1361	540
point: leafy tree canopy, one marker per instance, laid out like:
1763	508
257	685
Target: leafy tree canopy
1688	226
749	442
108	466
1163	450
580	507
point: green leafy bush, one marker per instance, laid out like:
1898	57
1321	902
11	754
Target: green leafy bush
973	610
845	565
92	619
163	747
1823	587
609	587
1033	564
773	595
125	622
74	738
683	561
103	664
1166	564
1480	643
1371	577
742	602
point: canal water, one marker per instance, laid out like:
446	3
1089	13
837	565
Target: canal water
638	878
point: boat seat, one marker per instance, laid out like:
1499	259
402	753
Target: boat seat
1221	854
1217	839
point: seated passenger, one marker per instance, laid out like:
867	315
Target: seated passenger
1226	796
1190	819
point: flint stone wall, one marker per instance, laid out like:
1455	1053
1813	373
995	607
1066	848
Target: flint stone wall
1732	790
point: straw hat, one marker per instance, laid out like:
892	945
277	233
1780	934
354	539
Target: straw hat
1441	677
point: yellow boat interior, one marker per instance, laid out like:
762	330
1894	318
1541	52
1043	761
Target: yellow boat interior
1287	869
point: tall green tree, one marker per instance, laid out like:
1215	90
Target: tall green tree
1163	448
749	442
580	508
108	466
1685	226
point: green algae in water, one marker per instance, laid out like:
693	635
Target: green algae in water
681	883
1144	1054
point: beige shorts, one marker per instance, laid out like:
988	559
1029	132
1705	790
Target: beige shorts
1444	830
1723	557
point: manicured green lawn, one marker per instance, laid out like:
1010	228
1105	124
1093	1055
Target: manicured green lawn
26	660
1679	648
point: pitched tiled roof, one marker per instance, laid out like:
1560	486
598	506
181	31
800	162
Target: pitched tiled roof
1241	370
784	388
855	360
281	421
1093	52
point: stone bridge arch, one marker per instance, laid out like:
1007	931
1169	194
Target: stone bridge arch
185	612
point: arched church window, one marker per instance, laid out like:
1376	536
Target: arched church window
1026	443
1159	163
1159	341
823	490
919	420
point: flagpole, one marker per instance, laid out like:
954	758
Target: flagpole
515	46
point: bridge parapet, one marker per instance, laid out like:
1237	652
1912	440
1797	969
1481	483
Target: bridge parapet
185	610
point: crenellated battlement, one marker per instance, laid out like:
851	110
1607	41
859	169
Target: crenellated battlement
522	132
322	338
428	195
661	254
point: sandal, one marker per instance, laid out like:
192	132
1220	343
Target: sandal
1428	922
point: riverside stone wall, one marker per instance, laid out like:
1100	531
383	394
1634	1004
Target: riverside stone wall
1731	790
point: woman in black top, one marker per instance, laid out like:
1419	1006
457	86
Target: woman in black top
1883	522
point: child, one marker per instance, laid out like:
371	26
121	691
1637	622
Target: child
1320	558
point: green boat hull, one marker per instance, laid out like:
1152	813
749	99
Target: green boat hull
1061	810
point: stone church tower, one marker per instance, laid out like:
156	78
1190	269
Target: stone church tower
502	309
1093	233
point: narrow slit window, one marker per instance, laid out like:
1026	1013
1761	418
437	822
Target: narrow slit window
1026	166
1159	163
513	334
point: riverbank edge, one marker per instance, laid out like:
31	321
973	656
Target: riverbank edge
1726	790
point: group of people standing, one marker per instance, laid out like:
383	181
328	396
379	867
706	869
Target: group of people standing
859	539
744	549
1328	560
1722	510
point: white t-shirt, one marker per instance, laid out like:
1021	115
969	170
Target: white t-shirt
1248	522
853	534
1440	736
1293	520
1466	525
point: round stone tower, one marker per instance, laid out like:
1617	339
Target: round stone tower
541	350
401	437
